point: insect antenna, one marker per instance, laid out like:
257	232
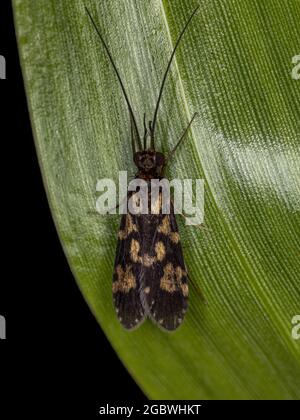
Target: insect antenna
133	135
145	133
135	128
166	74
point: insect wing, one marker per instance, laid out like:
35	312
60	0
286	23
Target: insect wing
126	278
164	276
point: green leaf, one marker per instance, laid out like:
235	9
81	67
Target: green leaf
234	67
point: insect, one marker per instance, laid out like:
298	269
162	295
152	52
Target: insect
150	278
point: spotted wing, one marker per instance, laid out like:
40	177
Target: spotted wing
126	278
164	281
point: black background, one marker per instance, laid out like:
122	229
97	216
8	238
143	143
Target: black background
55	352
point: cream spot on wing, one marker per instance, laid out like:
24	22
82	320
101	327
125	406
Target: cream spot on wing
164	227
179	272
167	282
172	279
175	237
185	289
147	261
128	229
134	250
160	251
126	280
